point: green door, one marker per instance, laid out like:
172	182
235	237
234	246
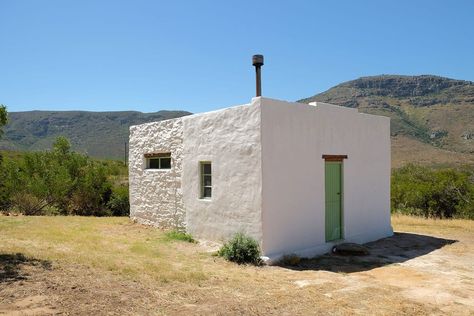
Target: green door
333	186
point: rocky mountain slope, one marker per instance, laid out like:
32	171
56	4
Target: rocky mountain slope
432	118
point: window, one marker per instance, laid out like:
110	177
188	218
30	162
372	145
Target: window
206	180
158	161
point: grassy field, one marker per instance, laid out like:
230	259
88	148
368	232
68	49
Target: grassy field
84	265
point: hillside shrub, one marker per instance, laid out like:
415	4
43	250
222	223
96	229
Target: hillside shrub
8	177
241	249
92	192
428	192
60	181
119	203
3	118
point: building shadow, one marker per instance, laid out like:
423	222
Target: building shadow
12	266
395	249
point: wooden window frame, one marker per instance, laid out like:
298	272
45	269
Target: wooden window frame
158	154
202	175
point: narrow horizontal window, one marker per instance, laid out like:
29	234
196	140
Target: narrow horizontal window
206	180
158	161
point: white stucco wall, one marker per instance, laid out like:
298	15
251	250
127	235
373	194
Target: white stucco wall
156	195
294	138
230	139
267	174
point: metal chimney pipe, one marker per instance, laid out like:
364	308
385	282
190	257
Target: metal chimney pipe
257	61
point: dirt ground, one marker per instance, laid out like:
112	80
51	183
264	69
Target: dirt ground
427	267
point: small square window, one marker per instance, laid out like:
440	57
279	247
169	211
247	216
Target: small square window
206	180
158	161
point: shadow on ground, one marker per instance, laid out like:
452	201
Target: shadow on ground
396	249
11	266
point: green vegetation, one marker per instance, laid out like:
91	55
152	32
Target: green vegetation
428	192
3	117
241	249
61	181
119	204
179	235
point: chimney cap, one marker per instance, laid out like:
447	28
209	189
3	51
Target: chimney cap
257	60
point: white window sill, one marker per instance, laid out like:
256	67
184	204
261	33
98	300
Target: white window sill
157	170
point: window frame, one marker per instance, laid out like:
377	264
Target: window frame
202	175
159	157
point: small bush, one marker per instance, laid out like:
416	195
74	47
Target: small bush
241	249
290	260
119	203
27	204
179	235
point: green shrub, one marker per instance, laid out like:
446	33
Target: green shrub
179	235
441	193
3	118
92	192
58	181
119	203
8	179
241	249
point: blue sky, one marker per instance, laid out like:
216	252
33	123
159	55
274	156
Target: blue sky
196	55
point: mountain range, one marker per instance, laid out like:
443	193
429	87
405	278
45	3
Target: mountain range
432	120
99	134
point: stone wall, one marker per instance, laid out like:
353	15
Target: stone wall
156	196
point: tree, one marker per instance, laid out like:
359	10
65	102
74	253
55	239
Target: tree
4	193
3	117
62	146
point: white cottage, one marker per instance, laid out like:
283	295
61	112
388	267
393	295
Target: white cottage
298	178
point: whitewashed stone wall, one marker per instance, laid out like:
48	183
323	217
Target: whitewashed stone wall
230	140
156	196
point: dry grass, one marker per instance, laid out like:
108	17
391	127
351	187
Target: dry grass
112	244
433	226
82	265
